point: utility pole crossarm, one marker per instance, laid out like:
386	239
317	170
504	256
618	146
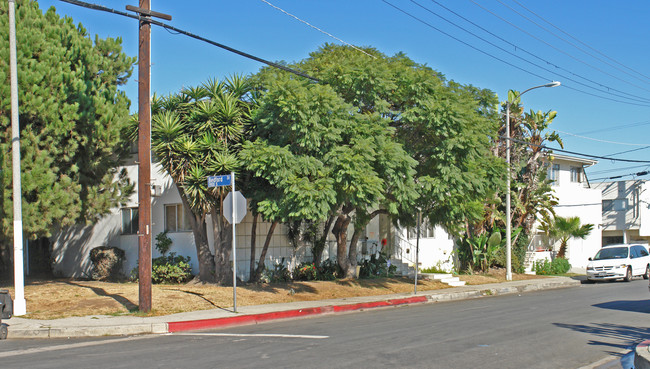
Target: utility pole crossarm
148	12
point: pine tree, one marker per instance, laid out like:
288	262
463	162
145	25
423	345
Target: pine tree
71	118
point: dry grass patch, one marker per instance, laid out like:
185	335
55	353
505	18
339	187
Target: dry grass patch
60	298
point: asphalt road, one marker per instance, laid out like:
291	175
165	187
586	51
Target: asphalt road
565	328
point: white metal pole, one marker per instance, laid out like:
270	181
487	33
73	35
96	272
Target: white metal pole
417	252
508	222
20	306
508	225
234	246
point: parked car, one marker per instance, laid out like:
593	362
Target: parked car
619	261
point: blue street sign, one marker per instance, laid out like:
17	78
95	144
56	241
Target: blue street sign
218	181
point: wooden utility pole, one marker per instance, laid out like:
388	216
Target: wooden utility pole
144	152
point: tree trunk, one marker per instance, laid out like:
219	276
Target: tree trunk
319	246
251	268
340	232
260	264
562	252
200	232
352	254
222	248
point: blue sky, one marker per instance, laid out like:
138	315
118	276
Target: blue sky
599	50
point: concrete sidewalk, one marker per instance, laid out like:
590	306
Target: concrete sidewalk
94	326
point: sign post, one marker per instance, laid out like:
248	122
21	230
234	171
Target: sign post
234	210
234	247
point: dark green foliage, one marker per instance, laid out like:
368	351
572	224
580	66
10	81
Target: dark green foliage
377	266
518	252
107	263
446	127
171	269
479	253
71	118
555	267
327	270
163	243
195	134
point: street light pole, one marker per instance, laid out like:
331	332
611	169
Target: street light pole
508	215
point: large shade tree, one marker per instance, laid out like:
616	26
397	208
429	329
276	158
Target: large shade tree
71	116
326	160
446	127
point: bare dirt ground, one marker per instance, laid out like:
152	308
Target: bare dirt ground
60	298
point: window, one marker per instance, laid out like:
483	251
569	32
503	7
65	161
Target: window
426	230
175	219
608	205
554	174
615	205
130	221
576	174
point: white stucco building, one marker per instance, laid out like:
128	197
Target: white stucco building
626	211
576	198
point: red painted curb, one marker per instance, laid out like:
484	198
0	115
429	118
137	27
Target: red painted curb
645	343
173	327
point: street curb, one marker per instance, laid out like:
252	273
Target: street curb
449	294
89	331
174	327
642	355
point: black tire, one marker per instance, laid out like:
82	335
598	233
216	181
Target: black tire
3	332
647	272
628	275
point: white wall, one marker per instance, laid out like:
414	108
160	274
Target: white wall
575	199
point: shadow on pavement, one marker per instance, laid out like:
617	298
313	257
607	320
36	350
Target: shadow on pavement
628	335
639	306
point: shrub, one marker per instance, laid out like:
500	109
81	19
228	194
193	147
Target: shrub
163	243
280	273
377	266
167	269
107	263
305	272
171	269
434	269
327	270
557	266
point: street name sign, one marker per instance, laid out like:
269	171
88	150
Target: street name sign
218	181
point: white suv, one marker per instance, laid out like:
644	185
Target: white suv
619	261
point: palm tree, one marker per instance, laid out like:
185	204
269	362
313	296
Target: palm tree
564	229
198	133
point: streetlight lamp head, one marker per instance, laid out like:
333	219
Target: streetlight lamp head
552	84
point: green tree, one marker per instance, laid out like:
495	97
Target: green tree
195	134
564	229
532	194
71	116
326	161
446	127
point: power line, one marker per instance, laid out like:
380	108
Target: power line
627	151
316	28
617	170
548	44
574	152
509	63
597	140
172	28
559	29
516	47
637	174
630	125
